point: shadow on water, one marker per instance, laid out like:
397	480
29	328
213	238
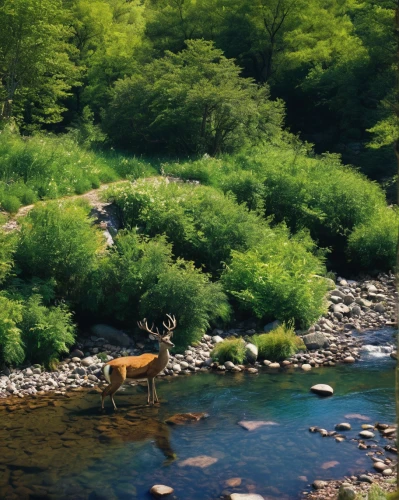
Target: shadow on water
66	447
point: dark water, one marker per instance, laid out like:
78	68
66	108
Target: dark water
66	448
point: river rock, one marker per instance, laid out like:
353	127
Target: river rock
274	365
229	365
245	496
202	461
114	336
252	425
380	466
233	482
160	490
380	308
251	352
366	434
184	418
88	361
319	485
322	390
346	493
315	341
271	326
306	367
341	308
344	426
216	339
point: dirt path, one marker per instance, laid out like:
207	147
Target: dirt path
94	198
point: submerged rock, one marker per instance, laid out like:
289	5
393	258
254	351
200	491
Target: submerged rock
202	461
184	418
251	425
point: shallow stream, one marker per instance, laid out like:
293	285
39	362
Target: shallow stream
57	447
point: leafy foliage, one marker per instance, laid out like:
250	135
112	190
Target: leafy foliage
202	224
8	244
231	349
145	281
57	241
191	102
35	66
46	332
11	345
279	344
279	279
373	244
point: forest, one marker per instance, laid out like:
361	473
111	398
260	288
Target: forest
279	117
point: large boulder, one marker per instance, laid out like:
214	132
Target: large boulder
271	326
251	353
114	336
315	340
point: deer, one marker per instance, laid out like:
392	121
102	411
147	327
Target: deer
138	367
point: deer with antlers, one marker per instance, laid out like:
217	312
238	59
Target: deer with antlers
136	367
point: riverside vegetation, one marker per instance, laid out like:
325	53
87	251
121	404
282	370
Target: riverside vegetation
228	213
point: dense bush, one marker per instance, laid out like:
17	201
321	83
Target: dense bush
203	224
194	101
58	241
191	296
11	345
279	344
373	244
143	280
279	279
230	349
47	332
289	183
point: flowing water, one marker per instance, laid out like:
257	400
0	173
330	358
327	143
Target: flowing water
66	448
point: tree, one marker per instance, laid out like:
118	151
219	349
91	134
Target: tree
191	102
36	72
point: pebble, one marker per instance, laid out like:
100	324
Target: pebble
160	490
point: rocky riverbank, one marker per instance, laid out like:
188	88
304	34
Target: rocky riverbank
355	307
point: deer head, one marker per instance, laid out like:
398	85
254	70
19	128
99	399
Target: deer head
167	333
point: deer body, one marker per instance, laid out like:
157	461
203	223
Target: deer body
137	367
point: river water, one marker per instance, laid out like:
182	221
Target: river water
66	448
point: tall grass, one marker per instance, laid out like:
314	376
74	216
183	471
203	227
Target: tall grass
230	349
48	167
279	344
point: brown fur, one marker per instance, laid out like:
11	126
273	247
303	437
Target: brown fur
138	367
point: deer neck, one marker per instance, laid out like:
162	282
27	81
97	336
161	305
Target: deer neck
163	356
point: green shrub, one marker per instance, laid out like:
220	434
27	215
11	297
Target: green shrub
279	344
203	224
230	349
11	345
373	245
186	292
58	241
47	332
144	281
279	279
10	204
8	243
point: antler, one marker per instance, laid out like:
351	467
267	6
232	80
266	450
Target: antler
143	326
171	323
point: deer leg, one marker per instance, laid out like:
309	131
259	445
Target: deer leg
155	393
118	376
151	390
